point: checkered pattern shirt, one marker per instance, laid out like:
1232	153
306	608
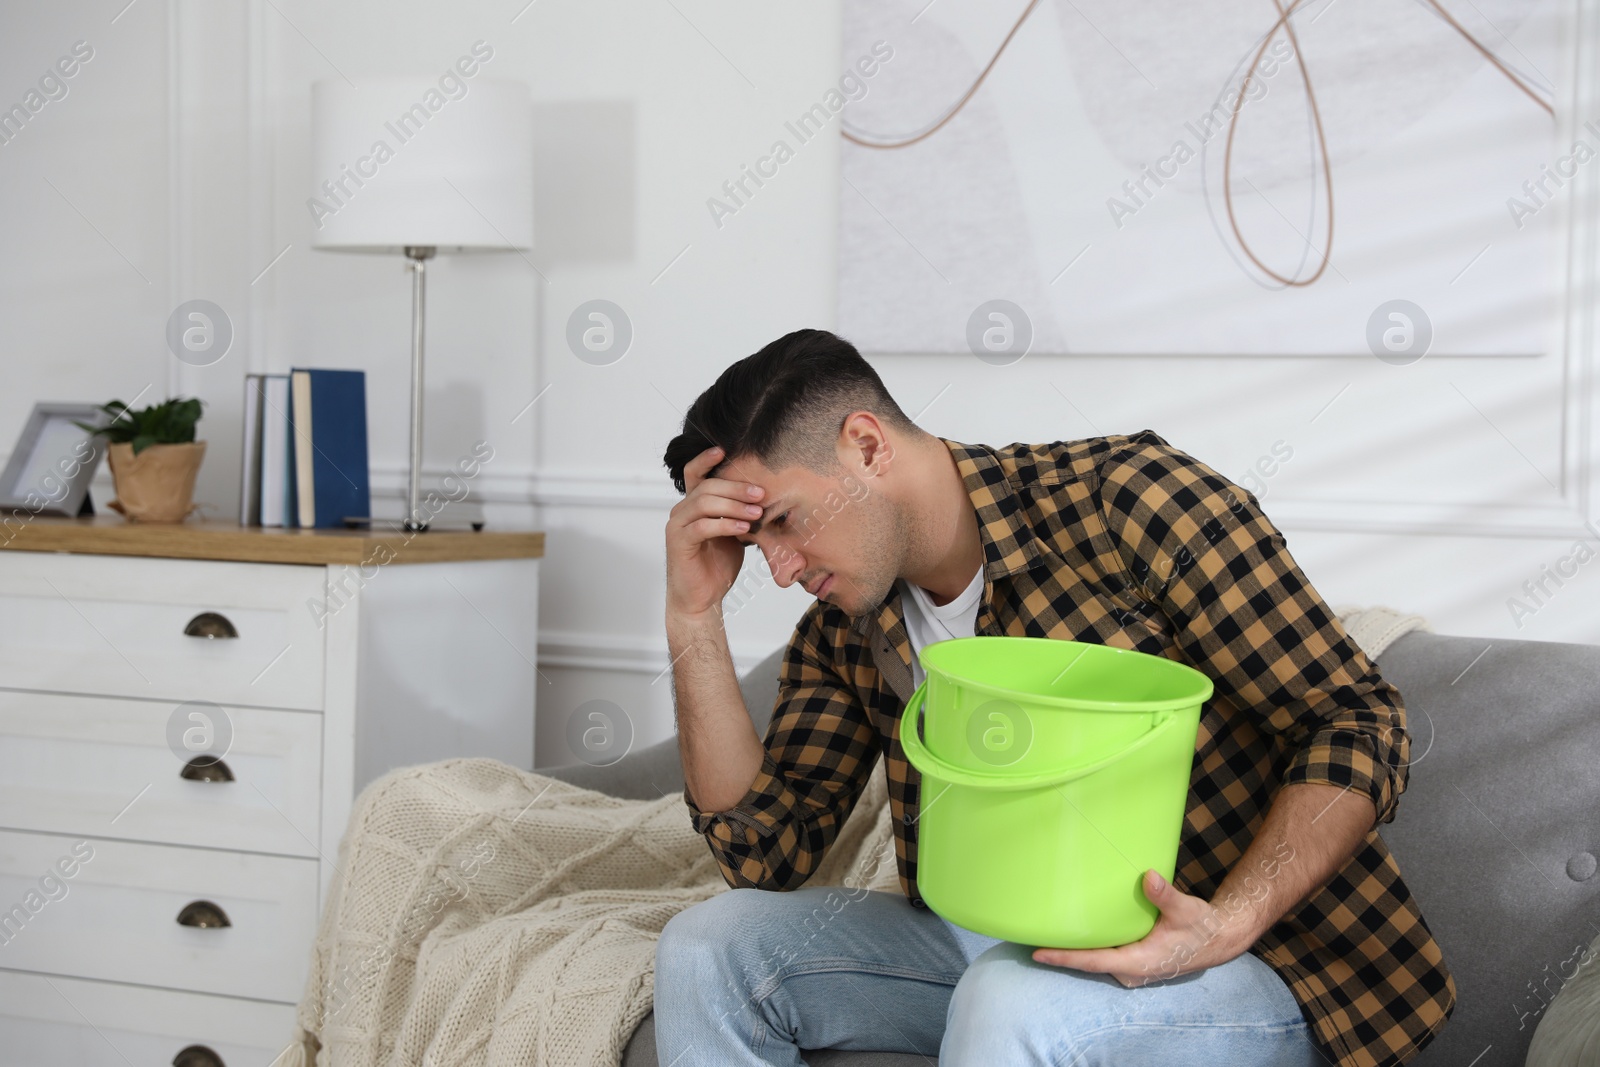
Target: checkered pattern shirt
1127	541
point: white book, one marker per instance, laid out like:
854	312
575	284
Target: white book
275	451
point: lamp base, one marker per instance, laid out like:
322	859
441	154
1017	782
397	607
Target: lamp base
356	522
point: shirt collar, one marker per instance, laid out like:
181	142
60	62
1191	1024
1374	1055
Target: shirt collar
1009	545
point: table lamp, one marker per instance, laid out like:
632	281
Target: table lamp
415	166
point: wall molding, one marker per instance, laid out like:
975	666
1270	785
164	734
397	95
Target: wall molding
610	489
555	487
1479	519
579	650
1397	523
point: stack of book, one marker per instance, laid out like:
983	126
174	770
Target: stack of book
305	448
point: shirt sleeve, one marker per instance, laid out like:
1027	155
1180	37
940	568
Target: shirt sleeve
820	749
1198	547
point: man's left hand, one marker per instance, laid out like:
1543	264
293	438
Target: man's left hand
1190	935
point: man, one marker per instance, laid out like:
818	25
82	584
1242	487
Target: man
1287	935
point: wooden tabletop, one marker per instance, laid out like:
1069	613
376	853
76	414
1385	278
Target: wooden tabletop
112	535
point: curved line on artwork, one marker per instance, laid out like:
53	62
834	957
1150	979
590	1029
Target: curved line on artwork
1283	22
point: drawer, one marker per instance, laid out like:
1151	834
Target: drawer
116	917
47	1022
104	767
114	625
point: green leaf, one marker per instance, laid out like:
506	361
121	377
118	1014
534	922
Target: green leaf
170	422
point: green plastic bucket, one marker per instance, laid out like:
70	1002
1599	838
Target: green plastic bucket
1054	774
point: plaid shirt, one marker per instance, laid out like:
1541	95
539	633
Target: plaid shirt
1127	541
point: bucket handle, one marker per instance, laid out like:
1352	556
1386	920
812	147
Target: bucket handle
923	759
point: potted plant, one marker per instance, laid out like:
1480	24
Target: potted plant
154	458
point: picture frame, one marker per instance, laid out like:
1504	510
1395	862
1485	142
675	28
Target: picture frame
49	470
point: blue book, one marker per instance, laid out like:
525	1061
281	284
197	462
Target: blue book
291	515
330	446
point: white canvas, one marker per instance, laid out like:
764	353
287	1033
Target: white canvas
1020	197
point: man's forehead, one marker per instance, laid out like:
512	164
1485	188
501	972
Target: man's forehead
749	469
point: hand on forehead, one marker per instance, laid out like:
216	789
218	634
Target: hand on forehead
742	469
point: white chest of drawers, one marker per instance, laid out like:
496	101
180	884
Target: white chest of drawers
159	892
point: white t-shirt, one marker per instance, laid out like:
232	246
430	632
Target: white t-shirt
927	622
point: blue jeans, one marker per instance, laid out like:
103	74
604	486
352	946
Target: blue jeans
752	976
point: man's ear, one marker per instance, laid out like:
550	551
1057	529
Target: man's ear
865	444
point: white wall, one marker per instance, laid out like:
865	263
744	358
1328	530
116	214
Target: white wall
177	167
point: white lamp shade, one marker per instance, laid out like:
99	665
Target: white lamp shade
411	161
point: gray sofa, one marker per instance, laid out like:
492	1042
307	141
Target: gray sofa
1497	832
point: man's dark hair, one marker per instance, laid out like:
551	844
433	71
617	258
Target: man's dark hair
785	405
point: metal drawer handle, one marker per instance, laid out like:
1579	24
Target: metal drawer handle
203	914
210	624
206	769
197	1056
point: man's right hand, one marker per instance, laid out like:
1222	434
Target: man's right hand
717	742
703	559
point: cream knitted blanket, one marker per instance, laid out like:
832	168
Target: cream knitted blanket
483	915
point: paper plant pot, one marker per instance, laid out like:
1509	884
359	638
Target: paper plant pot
157	485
